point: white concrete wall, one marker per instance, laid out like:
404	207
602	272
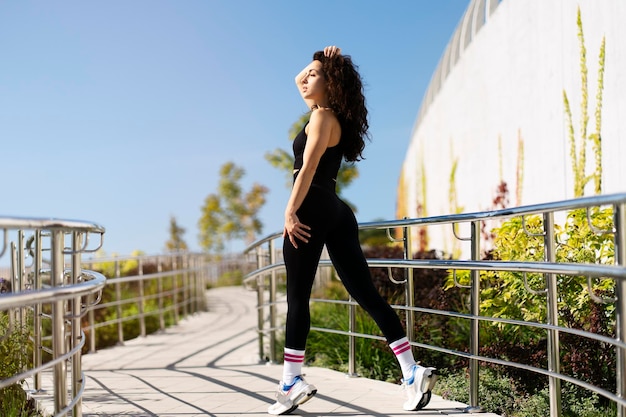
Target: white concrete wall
510	81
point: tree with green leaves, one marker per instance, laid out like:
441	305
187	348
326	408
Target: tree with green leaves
231	213
176	243
283	160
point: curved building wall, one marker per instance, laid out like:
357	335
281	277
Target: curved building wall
499	85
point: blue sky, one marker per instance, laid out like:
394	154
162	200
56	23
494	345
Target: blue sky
121	112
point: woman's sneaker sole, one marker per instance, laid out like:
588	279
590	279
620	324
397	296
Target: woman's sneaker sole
425	381
287	401
299	401
428	384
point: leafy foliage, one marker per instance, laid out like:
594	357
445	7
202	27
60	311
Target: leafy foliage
14	358
581	239
230	213
502	395
176	243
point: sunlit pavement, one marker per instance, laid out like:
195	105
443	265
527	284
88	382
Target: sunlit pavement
208	365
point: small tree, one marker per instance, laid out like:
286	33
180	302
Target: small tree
231	214
175	243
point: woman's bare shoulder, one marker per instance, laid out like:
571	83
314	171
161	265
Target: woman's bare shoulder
323	115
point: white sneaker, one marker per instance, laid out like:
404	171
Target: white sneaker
289	397
419	387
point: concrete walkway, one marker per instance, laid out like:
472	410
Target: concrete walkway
208	366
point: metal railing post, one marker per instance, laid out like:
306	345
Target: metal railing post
38	311
77	369
186	292
619	220
410	286
201	271
142	299
160	291
58	328
174	264
475	323
14	282
92	329
352	340
118	298
273	312
193	277
20	274
202	280
193	285
554	364
198	274
259	301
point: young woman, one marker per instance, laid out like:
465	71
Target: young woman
331	87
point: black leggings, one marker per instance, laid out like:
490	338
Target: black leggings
332	223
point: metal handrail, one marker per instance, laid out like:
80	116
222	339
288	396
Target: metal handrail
48	295
74	292
268	271
68	294
180	278
17	223
596	271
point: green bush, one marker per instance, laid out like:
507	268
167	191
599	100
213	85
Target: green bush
230	278
14	358
503	294
500	394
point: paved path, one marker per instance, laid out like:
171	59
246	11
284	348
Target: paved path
208	366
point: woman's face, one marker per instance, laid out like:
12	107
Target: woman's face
313	84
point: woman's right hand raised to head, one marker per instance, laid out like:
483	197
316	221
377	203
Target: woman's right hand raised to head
332	51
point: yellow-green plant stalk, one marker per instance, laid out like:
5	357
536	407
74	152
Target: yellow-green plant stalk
597	136
422	189
572	147
501	177
584	116
578	150
453	199
423	233
519	173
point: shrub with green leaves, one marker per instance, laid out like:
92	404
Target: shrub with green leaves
14	359
581	237
500	394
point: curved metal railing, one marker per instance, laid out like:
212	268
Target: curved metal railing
269	266
173	284
48	291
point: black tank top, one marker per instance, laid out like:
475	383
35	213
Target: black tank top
326	173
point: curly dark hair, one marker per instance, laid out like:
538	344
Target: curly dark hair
346	98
